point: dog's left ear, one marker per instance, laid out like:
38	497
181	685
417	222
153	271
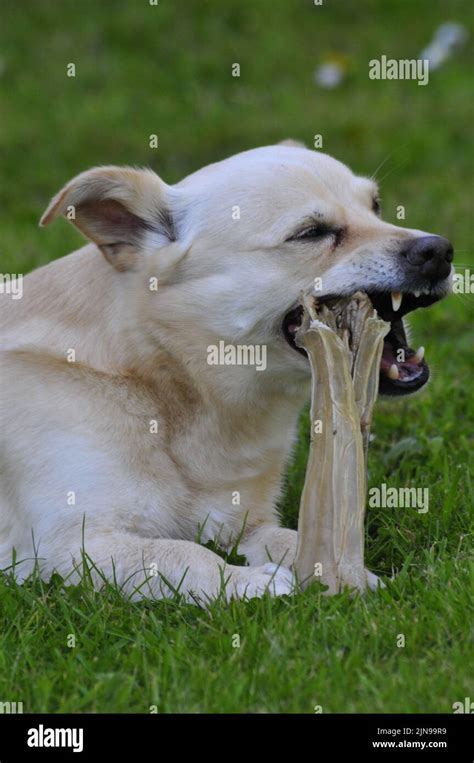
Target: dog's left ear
117	208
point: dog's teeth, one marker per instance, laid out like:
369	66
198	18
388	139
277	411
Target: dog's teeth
419	354
416	294
393	372
396	300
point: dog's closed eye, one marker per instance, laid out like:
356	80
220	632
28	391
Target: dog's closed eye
316	231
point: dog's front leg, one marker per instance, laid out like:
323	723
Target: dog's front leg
159	568
269	542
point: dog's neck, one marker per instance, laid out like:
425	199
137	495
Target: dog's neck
257	409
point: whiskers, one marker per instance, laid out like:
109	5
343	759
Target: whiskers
403	161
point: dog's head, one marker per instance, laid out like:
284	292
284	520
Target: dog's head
234	244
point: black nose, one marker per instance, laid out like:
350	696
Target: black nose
429	256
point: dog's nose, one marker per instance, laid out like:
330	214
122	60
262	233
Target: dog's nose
429	256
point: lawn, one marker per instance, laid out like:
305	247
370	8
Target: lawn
166	70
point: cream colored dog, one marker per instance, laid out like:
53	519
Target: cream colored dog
135	417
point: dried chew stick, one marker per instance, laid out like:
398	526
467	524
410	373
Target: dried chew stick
367	331
331	518
365	373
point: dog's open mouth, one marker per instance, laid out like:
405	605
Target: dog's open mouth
402	369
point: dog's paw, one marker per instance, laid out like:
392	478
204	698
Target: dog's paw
251	582
373	581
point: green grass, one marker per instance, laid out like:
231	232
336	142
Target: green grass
166	70
338	653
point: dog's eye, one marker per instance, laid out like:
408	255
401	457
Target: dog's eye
313	231
376	206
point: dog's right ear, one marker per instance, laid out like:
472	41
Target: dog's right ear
118	208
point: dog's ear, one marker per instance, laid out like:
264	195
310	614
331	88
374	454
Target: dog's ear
117	208
291	142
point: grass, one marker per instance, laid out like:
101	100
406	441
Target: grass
166	70
294	655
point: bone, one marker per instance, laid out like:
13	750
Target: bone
344	346
366	367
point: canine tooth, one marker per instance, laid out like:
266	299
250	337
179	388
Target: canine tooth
416	294
393	372
396	300
419	354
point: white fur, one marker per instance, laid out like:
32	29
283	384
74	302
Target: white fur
141	499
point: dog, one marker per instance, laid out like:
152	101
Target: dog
125	436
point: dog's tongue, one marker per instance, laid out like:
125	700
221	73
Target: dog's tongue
402	364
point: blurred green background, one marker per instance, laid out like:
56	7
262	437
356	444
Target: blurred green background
167	70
